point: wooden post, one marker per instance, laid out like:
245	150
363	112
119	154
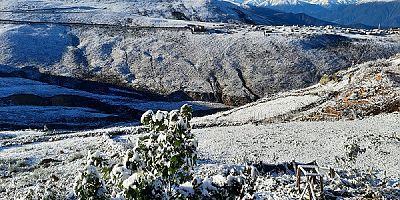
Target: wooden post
311	173
298	179
321	184
309	180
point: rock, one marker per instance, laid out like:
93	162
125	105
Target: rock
47	162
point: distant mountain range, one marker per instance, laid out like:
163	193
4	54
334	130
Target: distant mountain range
264	15
233	12
220	11
300	2
344	12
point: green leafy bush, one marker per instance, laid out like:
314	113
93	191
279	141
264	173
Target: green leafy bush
161	160
89	184
161	166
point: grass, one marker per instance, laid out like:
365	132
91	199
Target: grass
14	164
324	79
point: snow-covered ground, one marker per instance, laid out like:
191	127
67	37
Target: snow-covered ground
259	110
21	115
14	85
307	141
146	13
57	156
366	89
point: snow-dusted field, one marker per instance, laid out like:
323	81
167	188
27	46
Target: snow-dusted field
12	86
259	110
58	156
26	103
307	141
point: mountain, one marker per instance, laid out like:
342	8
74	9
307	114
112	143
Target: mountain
386	14
231	68
267	16
108	12
221	11
370	13
300	2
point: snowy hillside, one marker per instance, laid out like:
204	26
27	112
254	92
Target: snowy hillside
368	89
235	66
152	12
76	77
230	64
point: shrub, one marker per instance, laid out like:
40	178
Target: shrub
324	79
161	160
237	182
160	166
89	184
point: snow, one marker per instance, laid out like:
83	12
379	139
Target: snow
306	142
271	143
37	45
187	188
176	59
44	114
207	186
219	180
40	114
120	172
160	116
257	111
13	85
131	181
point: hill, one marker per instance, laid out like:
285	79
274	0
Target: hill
364	90
233	66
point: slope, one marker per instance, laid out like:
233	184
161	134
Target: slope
364	90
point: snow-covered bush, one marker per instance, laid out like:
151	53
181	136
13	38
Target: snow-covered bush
89	184
161	166
100	161
237	182
161	160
